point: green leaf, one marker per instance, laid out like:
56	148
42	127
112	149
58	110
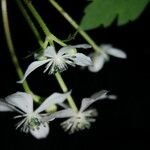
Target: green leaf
104	12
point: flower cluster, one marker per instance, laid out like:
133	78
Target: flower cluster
36	122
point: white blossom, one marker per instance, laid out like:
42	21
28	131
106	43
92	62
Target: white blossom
99	58
33	121
58	62
84	117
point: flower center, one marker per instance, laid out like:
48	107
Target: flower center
58	60
59	64
80	117
34	123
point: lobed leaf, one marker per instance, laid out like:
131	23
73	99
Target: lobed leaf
104	12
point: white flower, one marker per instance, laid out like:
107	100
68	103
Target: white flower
84	117
32	121
101	57
59	61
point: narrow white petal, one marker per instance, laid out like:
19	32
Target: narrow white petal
98	62
86	102
64	113
100	95
71	63
60	114
53	99
64	50
103	47
112	97
117	53
65	106
84	46
48	66
42	132
20	123
82	60
4	106
34	65
9	107
114	51
50	51
21	100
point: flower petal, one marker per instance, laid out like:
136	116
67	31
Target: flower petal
21	100
112	97
98	62
48	66
34	65
100	95
64	113
82	60
66	49
84	46
4	106
50	51
86	102
53	99
42	132
114	51
63	105
60	114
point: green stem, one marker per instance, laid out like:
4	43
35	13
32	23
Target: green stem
75	25
57	75
42	23
11	47
65	89
30	22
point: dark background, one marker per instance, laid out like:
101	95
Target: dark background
121	122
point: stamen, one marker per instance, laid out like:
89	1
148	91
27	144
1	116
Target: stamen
80	121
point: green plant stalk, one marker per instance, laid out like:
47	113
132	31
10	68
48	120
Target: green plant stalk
32	25
12	50
75	25
57	75
30	22
65	89
42	23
